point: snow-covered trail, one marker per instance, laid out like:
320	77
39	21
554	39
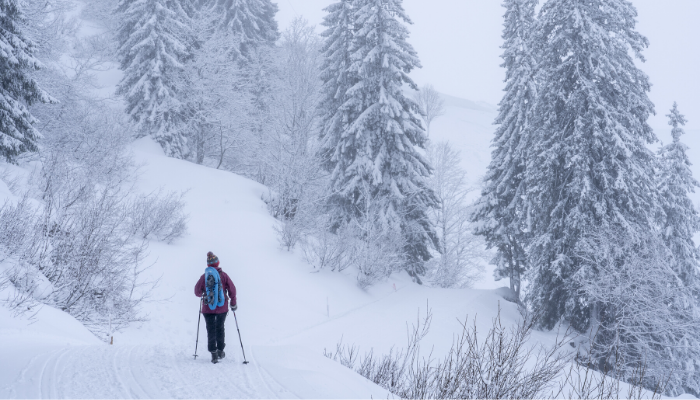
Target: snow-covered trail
141	372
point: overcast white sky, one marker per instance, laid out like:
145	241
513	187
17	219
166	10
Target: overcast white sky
459	41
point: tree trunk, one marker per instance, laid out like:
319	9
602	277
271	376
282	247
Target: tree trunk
200	145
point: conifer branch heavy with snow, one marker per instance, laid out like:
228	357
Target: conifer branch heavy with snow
337	79
155	40
500	213
17	88
681	220
251	23
373	152
589	166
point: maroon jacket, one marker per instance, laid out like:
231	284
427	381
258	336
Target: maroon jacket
229	292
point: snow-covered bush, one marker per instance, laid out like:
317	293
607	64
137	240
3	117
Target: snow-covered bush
644	315
158	215
367	243
79	242
325	249
377	250
504	365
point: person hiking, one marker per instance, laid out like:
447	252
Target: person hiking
216	288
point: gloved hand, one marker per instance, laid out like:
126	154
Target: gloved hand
234	307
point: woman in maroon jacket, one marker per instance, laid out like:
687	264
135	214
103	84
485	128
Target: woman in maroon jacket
215	318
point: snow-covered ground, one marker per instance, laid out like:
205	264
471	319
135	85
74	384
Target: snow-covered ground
288	312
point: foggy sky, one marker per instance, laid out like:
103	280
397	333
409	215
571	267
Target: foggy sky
459	41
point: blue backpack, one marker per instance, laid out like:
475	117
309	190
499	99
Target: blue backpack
215	291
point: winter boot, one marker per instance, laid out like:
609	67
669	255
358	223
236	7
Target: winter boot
221	354
214	357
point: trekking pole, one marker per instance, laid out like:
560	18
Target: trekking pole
201	304
239	338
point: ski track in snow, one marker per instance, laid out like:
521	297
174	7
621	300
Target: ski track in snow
140	372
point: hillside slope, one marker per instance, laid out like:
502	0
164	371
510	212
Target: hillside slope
288	313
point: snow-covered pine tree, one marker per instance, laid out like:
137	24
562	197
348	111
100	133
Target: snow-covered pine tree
500	212
681	219
337	79
17	89
155	39
590	167
251	23
376	155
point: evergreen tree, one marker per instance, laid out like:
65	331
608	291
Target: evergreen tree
590	167
375	158
681	219
500	211
336	77
17	88
251	23
155	41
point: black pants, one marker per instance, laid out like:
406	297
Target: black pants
215	331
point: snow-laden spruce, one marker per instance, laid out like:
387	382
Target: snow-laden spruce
251	23
335	73
681	219
501	210
154	42
18	88
376	168
589	166
681	222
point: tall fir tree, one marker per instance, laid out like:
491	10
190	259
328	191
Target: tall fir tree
590	167
499	213
250	24
17	89
375	157
155	40
336	77
681	219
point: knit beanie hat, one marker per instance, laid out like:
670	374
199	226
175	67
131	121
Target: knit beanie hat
212	260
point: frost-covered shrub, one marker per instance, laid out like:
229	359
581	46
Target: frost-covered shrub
158	215
375	252
71	241
16	222
325	249
643	315
461	254
503	365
